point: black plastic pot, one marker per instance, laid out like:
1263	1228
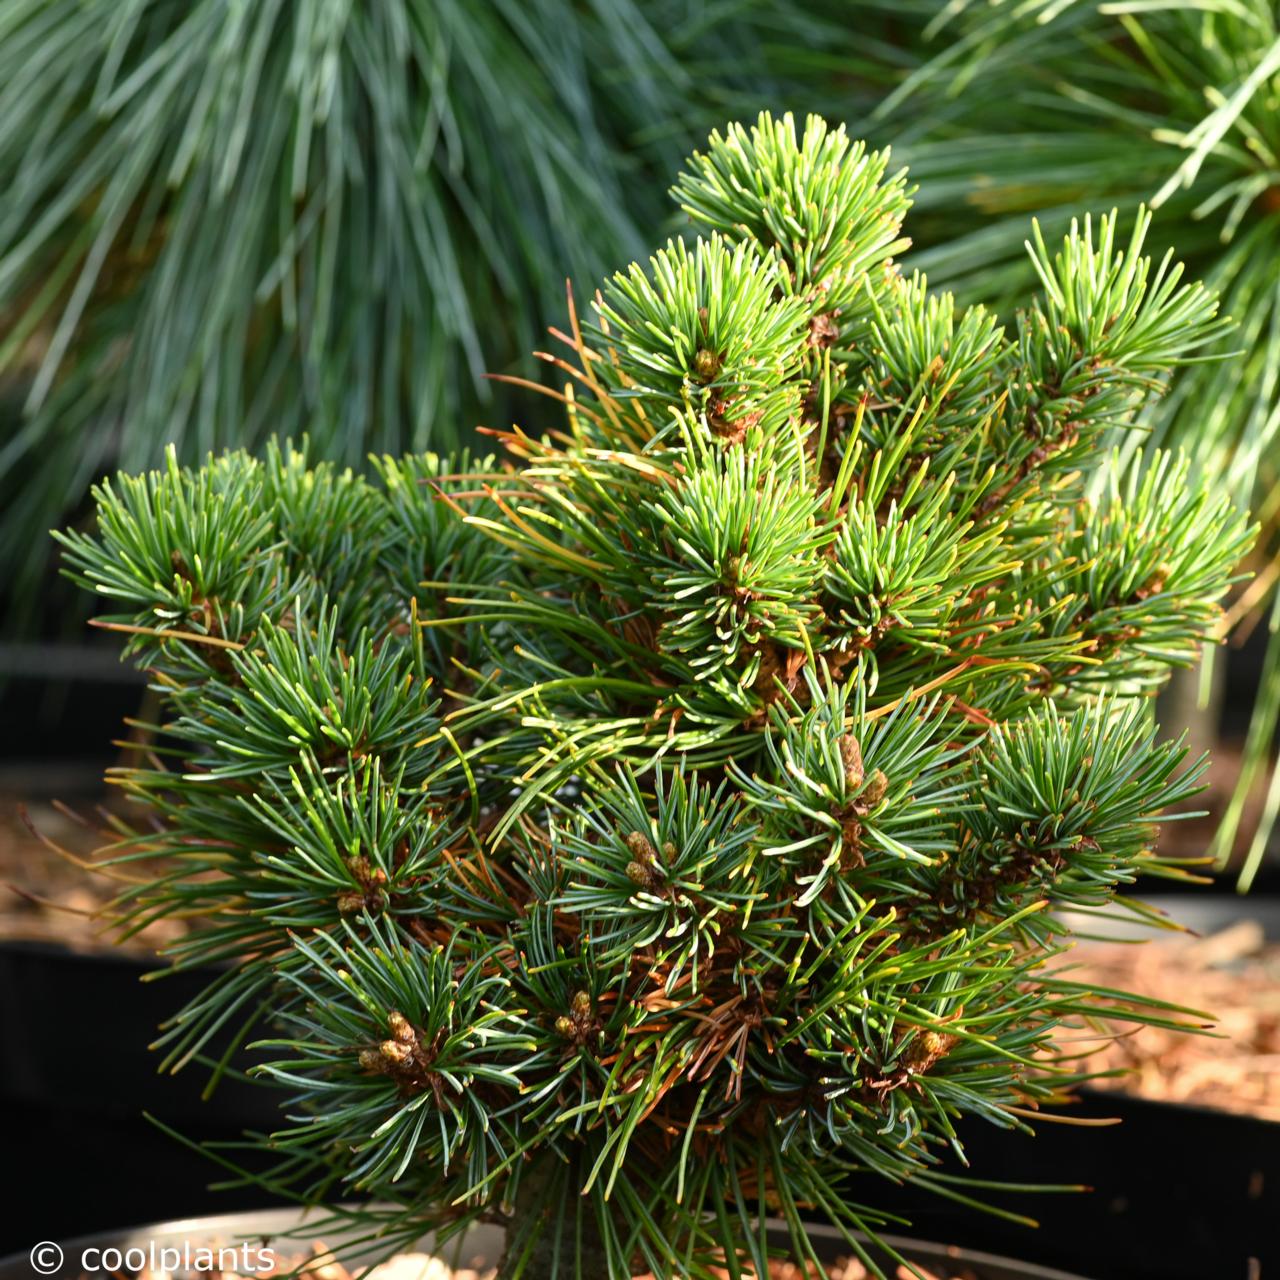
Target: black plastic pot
286	1233
76	1077
68	700
1177	1192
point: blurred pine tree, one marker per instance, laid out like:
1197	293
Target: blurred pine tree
226	221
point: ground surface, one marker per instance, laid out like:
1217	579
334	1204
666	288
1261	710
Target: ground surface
1234	975
421	1266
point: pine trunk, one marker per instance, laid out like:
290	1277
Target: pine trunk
535	1250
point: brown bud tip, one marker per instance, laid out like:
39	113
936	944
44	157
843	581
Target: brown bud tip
729	424
669	852
851	758
350	903
874	791
706	364
640	848
564	1026
371	1060
582	1003
823	330
394	1051
400	1027
641	875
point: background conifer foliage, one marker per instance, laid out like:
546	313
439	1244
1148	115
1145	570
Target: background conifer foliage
675	821
224	221
1047	108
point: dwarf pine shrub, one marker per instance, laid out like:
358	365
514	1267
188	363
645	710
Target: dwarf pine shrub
675	823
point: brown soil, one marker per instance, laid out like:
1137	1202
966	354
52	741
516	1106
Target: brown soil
48	893
422	1266
1234	975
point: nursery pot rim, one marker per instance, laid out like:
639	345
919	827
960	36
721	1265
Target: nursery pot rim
267	1224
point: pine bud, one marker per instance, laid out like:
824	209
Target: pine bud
928	1049
564	1026
640	848
706	364
823	330
641	876
396	1052
933	1043
875	790
582	1003
400	1028
1154	584
642	870
851	758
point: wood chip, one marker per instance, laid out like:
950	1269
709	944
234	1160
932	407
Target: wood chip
1234	976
